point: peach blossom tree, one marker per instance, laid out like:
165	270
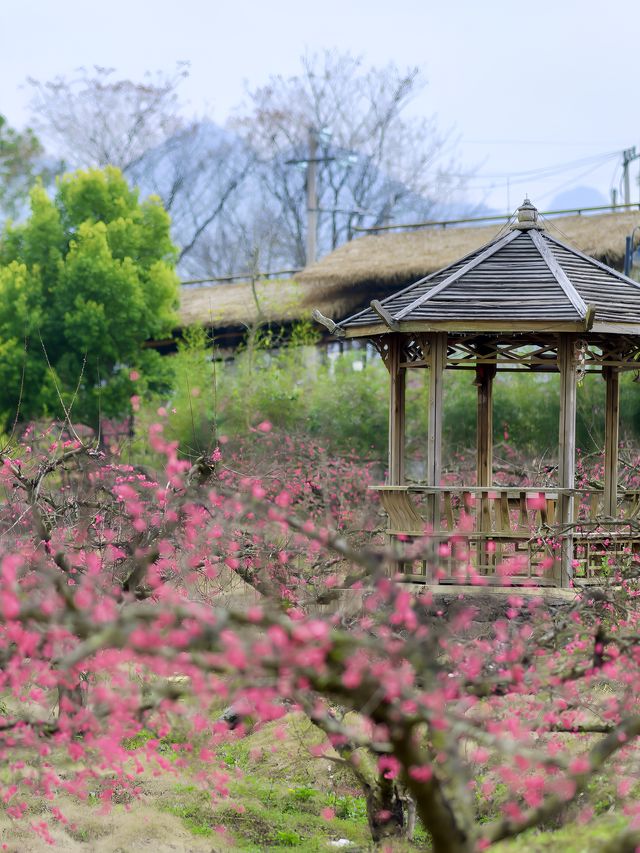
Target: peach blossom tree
118	616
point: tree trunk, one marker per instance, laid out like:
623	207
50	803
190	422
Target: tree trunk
385	812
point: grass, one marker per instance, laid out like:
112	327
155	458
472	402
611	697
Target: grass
593	837
263	812
278	792
278	798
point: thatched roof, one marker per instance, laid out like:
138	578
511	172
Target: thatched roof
232	307
372	267
397	258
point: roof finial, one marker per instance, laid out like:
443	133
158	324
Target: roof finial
527	217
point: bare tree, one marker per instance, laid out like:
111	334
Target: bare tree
96	120
241	193
249	238
200	173
373	161
195	167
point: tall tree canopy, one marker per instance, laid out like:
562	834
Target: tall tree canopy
83	283
19	154
100	119
237	196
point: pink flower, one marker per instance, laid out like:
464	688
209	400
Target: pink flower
420	774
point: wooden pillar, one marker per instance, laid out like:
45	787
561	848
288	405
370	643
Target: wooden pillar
437	364
611	440
485	374
566	451
397	383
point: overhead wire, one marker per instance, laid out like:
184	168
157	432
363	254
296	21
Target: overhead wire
547	171
550	223
570	181
594	163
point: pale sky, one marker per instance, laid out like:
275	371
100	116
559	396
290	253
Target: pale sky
522	86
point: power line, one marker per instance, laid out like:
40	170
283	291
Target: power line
547	171
570	181
549	142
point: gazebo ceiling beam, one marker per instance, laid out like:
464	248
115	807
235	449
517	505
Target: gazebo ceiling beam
490	327
514	352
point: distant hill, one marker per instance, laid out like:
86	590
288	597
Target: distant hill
578	197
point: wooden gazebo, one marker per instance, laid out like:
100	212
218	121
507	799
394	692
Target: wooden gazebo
525	300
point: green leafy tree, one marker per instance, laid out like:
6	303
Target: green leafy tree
84	282
19	154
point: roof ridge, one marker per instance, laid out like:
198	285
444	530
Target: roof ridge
488	251
422	280
558	273
594	261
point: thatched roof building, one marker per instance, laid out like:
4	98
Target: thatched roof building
372	267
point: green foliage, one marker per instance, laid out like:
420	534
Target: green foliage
303	793
526	411
349	808
342	400
19	152
188	409
348	407
83	283
288	838
270	814
193	400
294	387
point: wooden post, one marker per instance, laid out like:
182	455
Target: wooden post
484	444
485	374
611	430
437	364
312	196
397	383
566	451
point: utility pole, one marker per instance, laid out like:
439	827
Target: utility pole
628	156
310	162
312	196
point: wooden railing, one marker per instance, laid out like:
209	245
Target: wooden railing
515	530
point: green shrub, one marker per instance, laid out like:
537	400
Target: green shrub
342	400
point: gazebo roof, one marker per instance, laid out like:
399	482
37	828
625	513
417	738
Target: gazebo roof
522	280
